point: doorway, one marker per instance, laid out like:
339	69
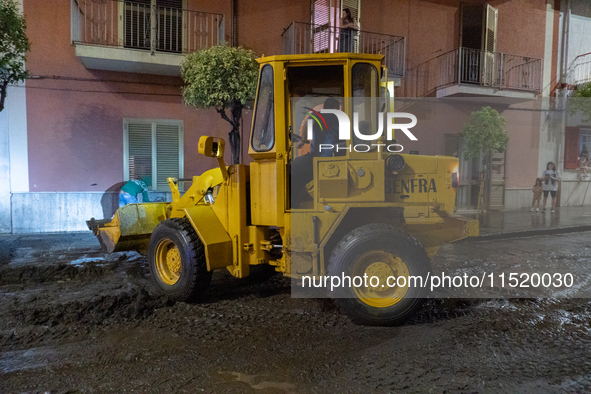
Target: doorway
470	171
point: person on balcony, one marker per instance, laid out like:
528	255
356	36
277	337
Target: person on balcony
347	31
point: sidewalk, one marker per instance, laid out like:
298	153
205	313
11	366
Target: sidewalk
27	248
523	223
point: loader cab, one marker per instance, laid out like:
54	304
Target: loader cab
282	81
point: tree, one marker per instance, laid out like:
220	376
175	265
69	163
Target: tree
224	78
485	133
14	45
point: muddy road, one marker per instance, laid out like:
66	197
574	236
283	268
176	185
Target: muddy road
76	320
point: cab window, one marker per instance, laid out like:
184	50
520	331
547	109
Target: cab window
263	130
364	80
364	87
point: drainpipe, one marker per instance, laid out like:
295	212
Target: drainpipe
564	91
234	12
153	28
563	77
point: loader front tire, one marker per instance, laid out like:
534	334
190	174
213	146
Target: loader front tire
177	260
382	251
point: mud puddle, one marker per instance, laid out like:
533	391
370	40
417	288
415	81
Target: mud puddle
41	303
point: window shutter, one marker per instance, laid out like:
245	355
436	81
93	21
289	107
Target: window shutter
140	150
137	24
321	12
490	34
169	25
321	25
571	148
167	154
490	45
170	3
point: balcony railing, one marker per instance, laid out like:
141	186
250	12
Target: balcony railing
579	73
303	38
141	25
491	69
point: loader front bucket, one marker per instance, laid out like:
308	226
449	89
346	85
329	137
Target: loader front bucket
130	228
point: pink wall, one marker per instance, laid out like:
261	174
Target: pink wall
261	22
523	128
521	27
75	115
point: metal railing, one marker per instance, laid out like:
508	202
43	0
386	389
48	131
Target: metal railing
303	38
141	25
579	73
494	69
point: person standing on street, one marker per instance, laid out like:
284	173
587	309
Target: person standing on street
551	179
537	189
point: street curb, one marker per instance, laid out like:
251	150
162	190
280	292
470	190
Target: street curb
527	233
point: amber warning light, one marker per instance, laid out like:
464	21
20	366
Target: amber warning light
455	175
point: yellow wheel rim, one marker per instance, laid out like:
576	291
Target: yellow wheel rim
383	265
168	262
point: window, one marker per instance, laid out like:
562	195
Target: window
167	20
364	84
263	129
364	80
577	140
153	148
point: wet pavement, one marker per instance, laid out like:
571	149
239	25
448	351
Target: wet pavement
73	320
523	222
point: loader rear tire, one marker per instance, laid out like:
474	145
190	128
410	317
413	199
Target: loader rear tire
383	251
177	260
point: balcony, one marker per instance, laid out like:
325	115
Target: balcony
579	73
140	36
305	38
472	72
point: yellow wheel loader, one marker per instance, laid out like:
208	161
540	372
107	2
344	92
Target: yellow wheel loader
373	213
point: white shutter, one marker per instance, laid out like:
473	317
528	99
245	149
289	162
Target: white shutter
490	33
490	45
167	154
140	150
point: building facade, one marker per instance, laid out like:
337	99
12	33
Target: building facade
103	101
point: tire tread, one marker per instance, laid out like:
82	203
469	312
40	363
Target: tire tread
200	278
366	231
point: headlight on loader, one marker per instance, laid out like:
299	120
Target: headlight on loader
395	163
